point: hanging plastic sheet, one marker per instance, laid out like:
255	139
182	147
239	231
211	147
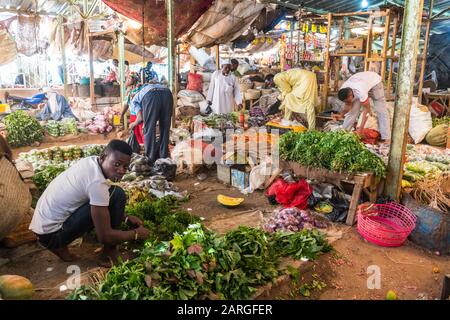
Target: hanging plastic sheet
9	48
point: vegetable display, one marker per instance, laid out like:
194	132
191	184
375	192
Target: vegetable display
292	219
198	264
337	151
439	121
44	176
61	128
22	129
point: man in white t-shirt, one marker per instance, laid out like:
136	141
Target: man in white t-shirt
355	93
81	199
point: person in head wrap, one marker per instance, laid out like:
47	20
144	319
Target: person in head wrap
133	86
223	91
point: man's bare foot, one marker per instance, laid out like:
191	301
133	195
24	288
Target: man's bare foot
64	254
111	256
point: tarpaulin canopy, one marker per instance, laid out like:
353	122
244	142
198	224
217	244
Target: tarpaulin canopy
153	15
224	21
9	48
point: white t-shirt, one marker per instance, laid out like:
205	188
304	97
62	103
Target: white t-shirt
361	83
83	182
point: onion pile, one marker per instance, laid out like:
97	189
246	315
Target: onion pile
292	219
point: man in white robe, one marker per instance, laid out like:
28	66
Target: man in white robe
224	91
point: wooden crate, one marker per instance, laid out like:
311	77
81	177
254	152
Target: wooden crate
352	46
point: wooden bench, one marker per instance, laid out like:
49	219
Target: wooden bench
363	182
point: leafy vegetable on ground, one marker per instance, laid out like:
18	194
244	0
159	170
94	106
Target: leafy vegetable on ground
43	177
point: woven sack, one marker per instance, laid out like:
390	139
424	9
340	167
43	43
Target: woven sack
15	197
245	86
252	94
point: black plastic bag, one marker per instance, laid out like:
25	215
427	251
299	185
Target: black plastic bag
166	168
133	143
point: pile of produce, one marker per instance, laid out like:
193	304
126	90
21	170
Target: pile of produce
197	264
99	124
292	219
22	129
43	176
56	155
61	128
434	192
337	151
439	121
219	121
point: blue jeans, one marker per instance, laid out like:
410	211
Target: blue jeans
80	222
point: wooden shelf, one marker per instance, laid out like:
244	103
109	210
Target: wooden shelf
348	54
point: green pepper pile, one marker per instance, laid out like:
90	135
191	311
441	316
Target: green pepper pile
22	129
337	151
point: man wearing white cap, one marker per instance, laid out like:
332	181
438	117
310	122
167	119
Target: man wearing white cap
224	90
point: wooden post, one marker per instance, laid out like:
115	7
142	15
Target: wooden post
327	65
121	45
217	49
385	44
63	55
369	44
405	85
393	47
171	54
347	32
91	74
425	50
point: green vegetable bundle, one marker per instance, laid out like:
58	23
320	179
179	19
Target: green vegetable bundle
43	177
439	121
337	151
22	129
52	128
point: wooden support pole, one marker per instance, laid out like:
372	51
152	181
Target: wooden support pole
393	48
171	54
63	55
405	85
327	65
347	32
369	44
121	46
387	27
425	50
91	74
217	51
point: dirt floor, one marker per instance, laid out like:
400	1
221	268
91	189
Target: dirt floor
411	272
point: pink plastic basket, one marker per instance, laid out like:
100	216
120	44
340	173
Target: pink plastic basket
386	225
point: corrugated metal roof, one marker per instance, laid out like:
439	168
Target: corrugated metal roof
43	6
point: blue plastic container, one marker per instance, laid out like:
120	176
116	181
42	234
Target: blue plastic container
432	227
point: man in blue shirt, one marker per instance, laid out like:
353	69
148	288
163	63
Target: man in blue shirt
148	74
154	104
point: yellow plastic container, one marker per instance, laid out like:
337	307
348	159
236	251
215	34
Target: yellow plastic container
4	107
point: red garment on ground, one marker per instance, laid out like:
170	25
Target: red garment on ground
138	129
291	194
369	136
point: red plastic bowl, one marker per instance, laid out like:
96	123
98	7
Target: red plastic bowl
386	225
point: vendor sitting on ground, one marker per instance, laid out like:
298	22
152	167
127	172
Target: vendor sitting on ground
299	94
56	108
81	199
223	91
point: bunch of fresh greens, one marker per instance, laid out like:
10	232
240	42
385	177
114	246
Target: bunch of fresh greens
52	128
22	129
162	216
197	264
43	177
337	151
439	121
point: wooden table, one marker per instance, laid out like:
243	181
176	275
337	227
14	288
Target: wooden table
441	97
363	182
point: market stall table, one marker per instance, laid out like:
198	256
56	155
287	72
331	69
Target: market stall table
366	182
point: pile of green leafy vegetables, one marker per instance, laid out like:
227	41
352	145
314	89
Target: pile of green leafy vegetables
198	264
44	176
337	151
163	217
439	121
22	129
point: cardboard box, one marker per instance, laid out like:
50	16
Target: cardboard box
240	178
352	46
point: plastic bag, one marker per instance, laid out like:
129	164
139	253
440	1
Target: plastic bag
165	167
420	122
195	82
133	143
291	194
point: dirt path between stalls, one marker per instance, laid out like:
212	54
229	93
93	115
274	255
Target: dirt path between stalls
408	270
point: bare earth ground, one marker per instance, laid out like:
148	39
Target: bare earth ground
410	271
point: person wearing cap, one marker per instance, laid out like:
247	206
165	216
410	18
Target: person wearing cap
223	91
355	93
299	94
